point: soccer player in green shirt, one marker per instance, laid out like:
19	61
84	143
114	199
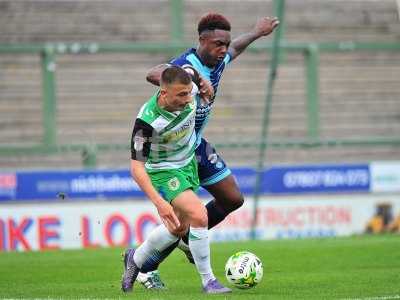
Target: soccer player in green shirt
215	51
164	166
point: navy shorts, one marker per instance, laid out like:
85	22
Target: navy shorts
212	167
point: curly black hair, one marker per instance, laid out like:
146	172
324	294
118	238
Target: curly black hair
212	21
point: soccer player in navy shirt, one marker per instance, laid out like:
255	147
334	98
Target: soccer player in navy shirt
213	53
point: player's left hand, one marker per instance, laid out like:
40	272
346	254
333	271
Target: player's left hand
206	90
266	25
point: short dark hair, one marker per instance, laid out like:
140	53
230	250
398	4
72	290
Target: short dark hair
212	21
174	74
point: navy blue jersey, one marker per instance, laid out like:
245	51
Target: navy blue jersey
213	75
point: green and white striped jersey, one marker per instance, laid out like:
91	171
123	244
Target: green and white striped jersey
172	137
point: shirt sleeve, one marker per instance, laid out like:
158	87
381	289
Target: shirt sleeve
180	61
141	140
228	58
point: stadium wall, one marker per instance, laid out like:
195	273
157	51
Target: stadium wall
76	225
298	202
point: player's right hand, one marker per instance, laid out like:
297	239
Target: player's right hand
168	216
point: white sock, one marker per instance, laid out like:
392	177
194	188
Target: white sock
159	239
200	247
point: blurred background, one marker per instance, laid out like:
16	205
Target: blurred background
72	78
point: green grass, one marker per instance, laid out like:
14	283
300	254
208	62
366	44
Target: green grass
334	268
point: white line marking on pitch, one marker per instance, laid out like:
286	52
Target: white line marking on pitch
375	298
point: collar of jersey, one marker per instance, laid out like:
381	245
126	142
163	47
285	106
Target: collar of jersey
194	51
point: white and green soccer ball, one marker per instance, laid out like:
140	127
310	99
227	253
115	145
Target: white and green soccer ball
244	270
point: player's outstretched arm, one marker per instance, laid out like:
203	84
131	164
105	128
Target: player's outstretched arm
205	87
164	209
154	75
263	27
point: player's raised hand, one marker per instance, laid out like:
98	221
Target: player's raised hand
168	216
266	25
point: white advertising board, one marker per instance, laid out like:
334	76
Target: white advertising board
43	226
74	225
305	216
385	176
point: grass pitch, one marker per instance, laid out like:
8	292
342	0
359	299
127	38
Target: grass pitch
365	267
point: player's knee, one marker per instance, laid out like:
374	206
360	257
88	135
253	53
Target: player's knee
181	230
232	202
199	219
237	201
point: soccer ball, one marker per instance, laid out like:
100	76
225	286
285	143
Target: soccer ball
244	270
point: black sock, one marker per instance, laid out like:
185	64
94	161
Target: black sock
215	214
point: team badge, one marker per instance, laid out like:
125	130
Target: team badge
213	158
173	184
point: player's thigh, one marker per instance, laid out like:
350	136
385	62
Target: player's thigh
190	208
211	166
226	192
216	177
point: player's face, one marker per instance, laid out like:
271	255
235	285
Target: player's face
214	45
176	96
